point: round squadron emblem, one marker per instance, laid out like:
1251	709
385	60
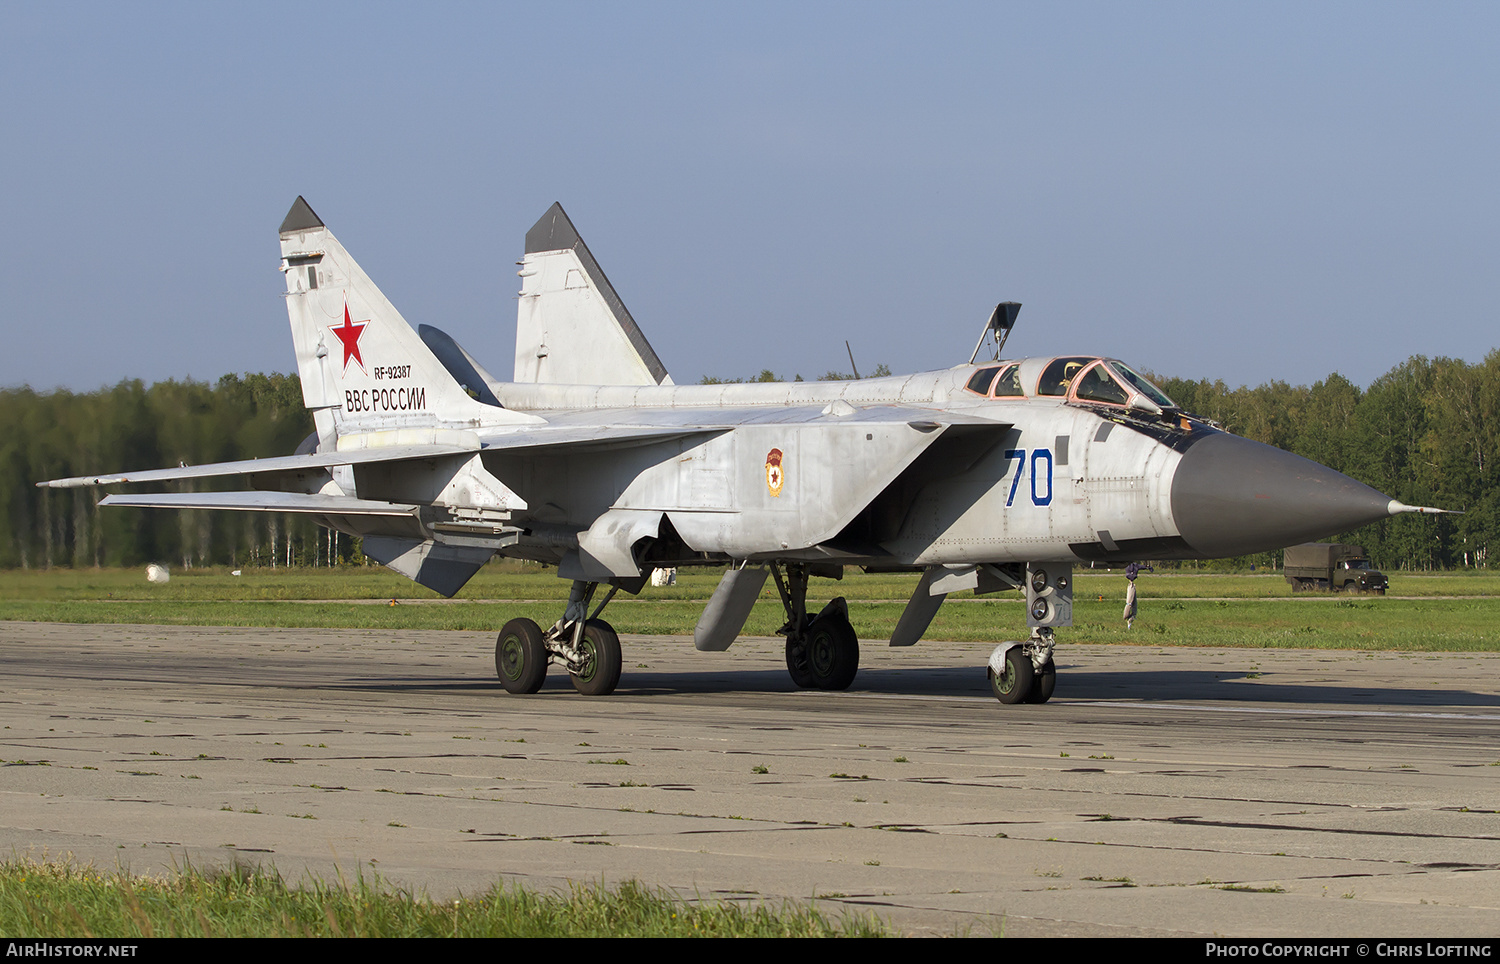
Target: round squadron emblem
774	476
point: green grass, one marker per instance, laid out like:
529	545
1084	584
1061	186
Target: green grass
62	900
513	581
1256	611
1250	889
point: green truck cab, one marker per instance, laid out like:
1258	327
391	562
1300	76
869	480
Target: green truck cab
1331	567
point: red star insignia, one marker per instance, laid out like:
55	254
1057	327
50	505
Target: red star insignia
349	333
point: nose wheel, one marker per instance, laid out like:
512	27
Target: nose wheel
1023	672
1043	682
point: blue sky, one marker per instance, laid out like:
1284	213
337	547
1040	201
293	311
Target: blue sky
1247	192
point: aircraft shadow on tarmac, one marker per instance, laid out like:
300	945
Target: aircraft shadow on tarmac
1075	683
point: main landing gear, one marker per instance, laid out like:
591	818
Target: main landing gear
822	651
1024	672
589	648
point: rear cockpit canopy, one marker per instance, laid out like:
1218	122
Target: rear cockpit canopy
1076	378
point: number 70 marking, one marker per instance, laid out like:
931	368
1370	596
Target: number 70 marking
1037	455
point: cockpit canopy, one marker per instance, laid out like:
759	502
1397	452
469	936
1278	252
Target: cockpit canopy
1079	378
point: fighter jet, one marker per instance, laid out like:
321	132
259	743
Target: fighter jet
991	476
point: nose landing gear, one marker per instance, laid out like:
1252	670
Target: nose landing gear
1024	672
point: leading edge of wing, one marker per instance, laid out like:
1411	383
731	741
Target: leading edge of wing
619	428
604	424
284	463
354	454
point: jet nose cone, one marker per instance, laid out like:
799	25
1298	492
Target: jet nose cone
1232	496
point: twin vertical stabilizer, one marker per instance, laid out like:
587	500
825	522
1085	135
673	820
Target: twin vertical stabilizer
571	326
362	366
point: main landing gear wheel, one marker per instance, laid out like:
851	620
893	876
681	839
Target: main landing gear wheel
832	652
821	652
1043	682
600	673
797	665
1014	684
520	657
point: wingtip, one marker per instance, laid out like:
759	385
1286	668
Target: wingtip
300	218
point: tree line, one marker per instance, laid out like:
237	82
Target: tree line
1426	432
131	427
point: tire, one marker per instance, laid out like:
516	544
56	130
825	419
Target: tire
796	664
832	652
520	657
1043	682
1015	684
602	660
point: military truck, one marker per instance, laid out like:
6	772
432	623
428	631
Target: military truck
1331	567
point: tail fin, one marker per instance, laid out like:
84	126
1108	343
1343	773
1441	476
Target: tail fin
571	327
359	360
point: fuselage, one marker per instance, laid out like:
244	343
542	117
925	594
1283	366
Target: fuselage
1082	463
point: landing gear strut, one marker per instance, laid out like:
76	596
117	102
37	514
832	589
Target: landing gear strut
1024	672
822	651
588	647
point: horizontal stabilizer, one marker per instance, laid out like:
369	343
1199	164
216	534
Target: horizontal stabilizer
261	502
